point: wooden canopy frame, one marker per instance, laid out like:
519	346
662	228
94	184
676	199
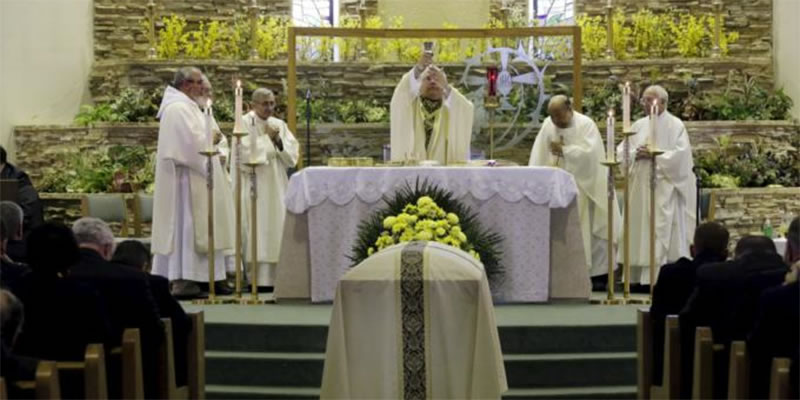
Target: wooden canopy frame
294	32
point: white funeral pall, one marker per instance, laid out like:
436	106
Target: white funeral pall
414	321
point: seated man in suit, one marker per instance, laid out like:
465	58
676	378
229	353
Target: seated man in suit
14	367
11	215
124	290
10	272
676	282
133	253
776	335
726	296
27	196
62	316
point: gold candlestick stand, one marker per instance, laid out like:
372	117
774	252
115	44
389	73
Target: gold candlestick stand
491	103
626	239
253	237
237	147
610	299
653	153
212	296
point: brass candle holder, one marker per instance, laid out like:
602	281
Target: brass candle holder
212	296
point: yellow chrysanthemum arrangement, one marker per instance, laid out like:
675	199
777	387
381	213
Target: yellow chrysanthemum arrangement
424	220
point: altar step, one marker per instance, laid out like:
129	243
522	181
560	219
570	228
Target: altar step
246	361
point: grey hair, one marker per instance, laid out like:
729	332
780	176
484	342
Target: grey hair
206	82
11	217
660	92
261	92
92	230
182	75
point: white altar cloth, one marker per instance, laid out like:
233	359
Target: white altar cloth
516	202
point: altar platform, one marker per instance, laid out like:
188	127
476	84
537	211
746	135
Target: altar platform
561	350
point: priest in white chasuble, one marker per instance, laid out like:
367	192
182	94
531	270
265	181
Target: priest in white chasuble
278	150
430	120
414	321
676	193
180	207
570	140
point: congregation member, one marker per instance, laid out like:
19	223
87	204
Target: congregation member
792	254
26	196
180	204
725	298
134	254
12	216
277	150
10	271
14	367
570	140
427	114
776	335
62	315
676	283
675	187
124	290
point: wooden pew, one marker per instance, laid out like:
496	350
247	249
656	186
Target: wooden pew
644	352
93	368
3	389
779	379
196	363
738	372
703	371
47	386
671	381
167	388
131	360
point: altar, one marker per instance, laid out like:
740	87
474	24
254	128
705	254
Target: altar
533	208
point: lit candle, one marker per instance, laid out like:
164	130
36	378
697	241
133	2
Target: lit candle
253	138
626	107
491	76
209	132
610	135
237	120
653	115
609	3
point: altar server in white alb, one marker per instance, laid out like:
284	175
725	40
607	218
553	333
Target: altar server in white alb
180	208
570	140
277	149
675	187
428	114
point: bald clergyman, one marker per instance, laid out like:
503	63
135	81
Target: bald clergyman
278	149
570	140
428	114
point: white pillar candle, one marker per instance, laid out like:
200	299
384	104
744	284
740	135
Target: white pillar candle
209	131
626	107
237	120
610	135
253	137
653	115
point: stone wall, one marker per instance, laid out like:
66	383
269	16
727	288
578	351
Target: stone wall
751	18
118	31
743	211
377	81
42	147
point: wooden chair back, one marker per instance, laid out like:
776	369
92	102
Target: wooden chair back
132	375
779	379
738	372
196	363
142	212
644	353
671	381
108	207
703	371
47	386
167	388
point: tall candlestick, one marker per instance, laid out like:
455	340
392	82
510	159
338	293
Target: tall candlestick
653	115
237	120
626	107
610	153
209	131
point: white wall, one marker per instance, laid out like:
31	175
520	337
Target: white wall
45	61
786	33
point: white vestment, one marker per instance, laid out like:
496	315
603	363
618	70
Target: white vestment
453	125
583	152
272	182
676	195
180	204
415	320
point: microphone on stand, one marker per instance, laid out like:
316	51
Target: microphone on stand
308	127
699	198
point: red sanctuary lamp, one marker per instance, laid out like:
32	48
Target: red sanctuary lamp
491	103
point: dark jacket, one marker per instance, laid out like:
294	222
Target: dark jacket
775	334
62	316
11	273
27	197
16	250
126	293
674	286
